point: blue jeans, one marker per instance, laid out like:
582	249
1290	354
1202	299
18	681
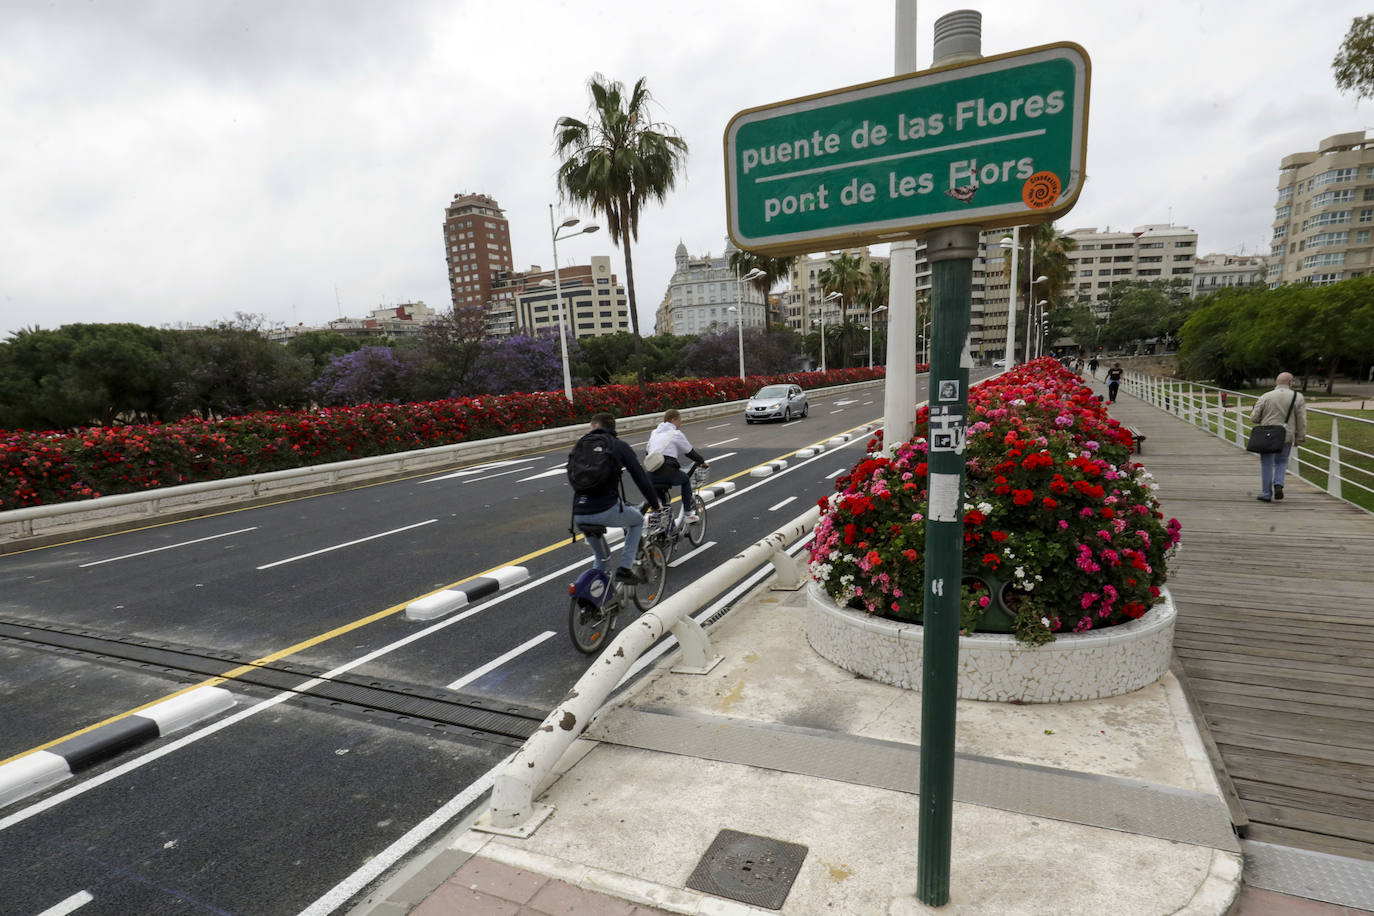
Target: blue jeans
1273	465
618	516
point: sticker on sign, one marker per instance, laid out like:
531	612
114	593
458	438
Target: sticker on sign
992	142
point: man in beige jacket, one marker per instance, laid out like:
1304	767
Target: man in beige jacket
1271	410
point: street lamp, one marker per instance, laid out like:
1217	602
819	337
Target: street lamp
558	291
925	339
739	303
1030	294
829	298
1012	244
871	312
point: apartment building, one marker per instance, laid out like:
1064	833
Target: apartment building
1324	213
702	293
527	301
1214	272
1147	253
476	247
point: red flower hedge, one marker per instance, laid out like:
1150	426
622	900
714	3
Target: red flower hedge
40	468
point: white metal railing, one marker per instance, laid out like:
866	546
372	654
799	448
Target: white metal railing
1226	414
523	775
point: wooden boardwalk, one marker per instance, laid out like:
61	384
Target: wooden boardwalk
1275	634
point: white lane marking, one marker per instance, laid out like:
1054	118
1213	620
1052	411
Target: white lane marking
168	547
781	504
500	660
687	556
865	403
841	410
561	469
480	468
835	474
846	403
722	442
721	457
498	474
718	426
370	537
71	904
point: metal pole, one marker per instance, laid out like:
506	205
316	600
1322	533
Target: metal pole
739	306
562	311
1030	291
958	37
1011	301
870	336
823	305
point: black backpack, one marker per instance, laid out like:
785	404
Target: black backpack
592	465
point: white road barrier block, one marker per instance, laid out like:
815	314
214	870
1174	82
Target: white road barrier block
189	708
806	453
768	470
436	605
31	773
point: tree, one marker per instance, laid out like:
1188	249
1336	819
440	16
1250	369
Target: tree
230	370
522	362
365	376
442	363
773	270
615	163
1354	62
845	275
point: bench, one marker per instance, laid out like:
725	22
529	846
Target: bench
1139	438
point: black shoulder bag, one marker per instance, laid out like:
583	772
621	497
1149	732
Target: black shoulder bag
1266	440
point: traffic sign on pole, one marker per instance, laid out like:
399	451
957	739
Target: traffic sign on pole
996	142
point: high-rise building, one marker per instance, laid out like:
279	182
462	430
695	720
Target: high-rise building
1145	254
1324	213
702	293
476	247
1226	271
527	301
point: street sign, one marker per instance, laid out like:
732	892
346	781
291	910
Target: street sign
997	141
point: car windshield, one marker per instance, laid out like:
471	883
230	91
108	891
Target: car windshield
772	391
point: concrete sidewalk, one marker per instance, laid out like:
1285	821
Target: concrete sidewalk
679	760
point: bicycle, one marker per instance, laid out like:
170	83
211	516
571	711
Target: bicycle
597	599
666	530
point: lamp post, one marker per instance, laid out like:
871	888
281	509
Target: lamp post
1012	244
558	292
871	312
832	297
1030	296
739	303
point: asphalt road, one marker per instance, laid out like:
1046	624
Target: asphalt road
278	805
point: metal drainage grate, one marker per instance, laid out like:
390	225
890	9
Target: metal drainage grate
752	869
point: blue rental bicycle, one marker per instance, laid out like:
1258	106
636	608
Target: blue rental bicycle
598	600
667	530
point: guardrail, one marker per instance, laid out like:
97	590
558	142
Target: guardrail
1322	460
525	773
37	525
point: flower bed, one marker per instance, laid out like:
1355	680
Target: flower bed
39	468
1062	532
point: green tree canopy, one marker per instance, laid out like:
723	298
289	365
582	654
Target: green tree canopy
1354	62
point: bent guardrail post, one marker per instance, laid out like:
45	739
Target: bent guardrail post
523	776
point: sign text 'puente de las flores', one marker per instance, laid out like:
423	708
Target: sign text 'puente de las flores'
993	142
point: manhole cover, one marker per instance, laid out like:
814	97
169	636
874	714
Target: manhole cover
752	869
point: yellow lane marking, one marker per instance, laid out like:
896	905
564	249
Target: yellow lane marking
331	634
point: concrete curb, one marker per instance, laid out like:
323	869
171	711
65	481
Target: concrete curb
768	469
451	599
37	771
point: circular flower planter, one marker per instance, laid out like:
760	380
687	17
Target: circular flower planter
994	666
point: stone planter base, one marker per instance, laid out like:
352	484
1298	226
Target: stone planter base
995	667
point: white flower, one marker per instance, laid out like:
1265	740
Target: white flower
985	508
1045	621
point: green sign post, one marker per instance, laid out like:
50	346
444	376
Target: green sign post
995	142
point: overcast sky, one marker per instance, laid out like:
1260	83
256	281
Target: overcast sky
177	161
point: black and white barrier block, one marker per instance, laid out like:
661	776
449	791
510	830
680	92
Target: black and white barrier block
836	441
35	772
807	452
716	491
450	599
768	469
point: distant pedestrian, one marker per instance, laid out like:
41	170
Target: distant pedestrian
1092	366
1281	407
1114	375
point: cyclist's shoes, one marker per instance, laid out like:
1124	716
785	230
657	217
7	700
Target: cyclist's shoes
691	518
629	576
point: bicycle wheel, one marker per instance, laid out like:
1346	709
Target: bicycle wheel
587	625
696	532
652	563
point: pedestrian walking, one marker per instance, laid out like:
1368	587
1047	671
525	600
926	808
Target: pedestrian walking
1114	375
1092	366
1281	407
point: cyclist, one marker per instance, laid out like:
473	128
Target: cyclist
598	501
669	439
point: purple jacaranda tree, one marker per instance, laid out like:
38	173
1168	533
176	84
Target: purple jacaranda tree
367	375
521	362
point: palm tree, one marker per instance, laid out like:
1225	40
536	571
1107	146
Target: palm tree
616	162
773	270
1051	260
846	276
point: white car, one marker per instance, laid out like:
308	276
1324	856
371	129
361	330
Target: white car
777	402
999	364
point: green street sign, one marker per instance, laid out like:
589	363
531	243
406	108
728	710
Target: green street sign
998	141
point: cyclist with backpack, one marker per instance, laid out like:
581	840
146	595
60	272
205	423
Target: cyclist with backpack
594	467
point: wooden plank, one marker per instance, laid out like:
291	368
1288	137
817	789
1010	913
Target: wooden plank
1313	821
1239	820
1273	666
1280	654
1281	769
1227	738
1317	802
1261	697
1317	730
